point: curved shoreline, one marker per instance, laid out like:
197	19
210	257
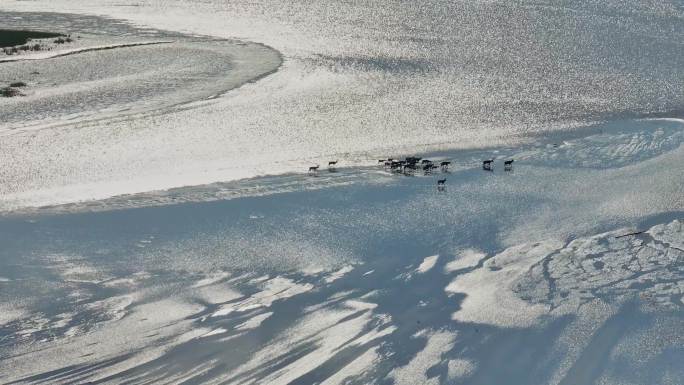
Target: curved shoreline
247	63
99	116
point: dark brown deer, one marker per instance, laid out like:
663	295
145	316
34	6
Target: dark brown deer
487	164
441	184
314	169
508	165
445	165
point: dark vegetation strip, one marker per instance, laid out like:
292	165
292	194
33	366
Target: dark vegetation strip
10	37
84	50
630	234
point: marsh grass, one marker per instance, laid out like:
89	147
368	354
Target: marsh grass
9	92
10	38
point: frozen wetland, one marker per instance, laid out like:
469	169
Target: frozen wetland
157	224
366	277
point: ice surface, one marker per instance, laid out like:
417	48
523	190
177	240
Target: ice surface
339	274
254	322
415	371
215	332
273	290
565	270
542	306
489	299
9	313
608	266
465	259
427	264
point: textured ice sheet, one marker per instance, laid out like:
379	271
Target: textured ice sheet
459	324
427	264
9	313
272	290
361	328
615	146
610	265
415	372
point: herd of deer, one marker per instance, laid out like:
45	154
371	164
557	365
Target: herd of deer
331	167
412	163
487	165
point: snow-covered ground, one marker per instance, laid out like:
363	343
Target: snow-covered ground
130	251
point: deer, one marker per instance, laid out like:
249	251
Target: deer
487	164
313	169
445	165
508	165
441	184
